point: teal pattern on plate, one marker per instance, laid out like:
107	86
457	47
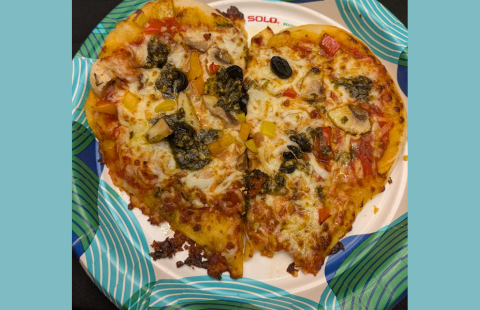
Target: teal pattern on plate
371	22
118	258
190	292
80	88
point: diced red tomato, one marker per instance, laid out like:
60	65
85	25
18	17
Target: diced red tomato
213	68
154	27
323	215
290	92
169	26
315	114
329	45
327	133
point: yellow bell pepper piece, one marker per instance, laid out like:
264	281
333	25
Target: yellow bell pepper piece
195	73
241	117
268	129
195	67
215	148
221	145
244	131
167	105
108	107
226	140
140	19
130	101
251	146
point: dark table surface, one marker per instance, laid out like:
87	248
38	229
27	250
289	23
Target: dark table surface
86	14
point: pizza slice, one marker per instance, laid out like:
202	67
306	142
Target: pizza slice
167	106
327	125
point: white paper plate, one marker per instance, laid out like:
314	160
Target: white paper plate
112	242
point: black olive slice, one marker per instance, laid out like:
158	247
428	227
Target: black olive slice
288	166
303	142
296	151
235	72
280	67
181	81
243	103
288	155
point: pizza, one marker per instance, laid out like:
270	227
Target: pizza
268	148
327	125
166	104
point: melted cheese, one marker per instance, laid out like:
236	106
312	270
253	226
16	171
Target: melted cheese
178	56
237	175
319	170
192	180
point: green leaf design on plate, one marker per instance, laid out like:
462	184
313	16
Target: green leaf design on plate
210	304
375	274
140	300
403	60
81	138
84	202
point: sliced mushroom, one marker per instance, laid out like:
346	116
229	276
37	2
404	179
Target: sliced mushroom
202	46
190	115
352	119
218	56
242	161
100	78
211	104
159	131
312	86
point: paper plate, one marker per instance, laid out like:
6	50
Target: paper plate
112	242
